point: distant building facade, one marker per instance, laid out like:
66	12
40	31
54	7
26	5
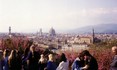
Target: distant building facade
83	40
52	32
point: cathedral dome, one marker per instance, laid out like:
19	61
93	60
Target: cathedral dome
52	32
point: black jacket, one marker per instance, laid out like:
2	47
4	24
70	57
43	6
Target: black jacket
113	65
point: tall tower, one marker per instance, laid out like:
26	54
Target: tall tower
41	32
9	30
93	35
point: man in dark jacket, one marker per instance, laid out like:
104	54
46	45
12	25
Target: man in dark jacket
113	65
90	61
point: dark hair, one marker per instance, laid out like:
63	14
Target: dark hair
86	52
29	43
63	57
26	51
81	56
7	52
14	54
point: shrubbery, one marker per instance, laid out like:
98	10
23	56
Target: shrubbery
101	51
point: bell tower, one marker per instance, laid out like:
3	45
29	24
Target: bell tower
93	35
9	30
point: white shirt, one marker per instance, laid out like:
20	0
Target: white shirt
63	65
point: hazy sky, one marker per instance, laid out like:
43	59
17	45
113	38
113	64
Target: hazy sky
31	15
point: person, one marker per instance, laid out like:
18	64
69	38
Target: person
113	65
90	61
50	64
64	63
32	58
13	61
78	62
5	65
24	59
42	62
19	60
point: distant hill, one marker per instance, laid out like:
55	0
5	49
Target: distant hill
101	28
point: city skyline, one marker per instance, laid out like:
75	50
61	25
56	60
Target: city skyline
31	15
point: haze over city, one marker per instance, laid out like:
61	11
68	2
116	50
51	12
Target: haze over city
62	15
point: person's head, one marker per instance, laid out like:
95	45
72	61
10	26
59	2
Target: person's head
86	54
80	56
42	59
114	50
50	56
63	57
42	56
6	52
29	43
32	48
13	54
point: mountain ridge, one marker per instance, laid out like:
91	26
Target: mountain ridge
100	28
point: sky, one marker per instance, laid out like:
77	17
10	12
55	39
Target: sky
31	15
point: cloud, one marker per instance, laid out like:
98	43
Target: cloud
82	17
95	12
114	10
101	11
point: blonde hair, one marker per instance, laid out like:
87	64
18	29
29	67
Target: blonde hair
51	58
31	47
12	55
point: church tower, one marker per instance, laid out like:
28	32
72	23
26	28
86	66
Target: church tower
93	36
9	30
41	33
10	35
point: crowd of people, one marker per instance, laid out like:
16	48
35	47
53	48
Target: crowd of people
33	60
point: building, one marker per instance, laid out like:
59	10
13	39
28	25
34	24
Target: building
52	32
10	34
9	30
40	33
93	36
83	40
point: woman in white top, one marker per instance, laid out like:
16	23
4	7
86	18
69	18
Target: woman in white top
64	63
